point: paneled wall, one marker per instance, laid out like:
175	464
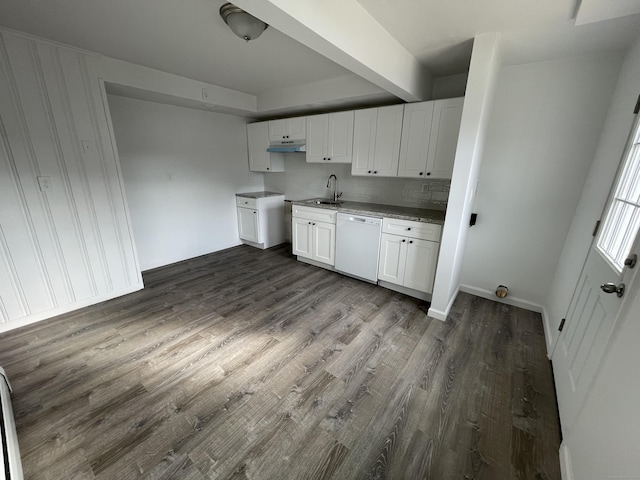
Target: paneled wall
65	236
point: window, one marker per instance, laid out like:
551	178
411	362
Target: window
622	220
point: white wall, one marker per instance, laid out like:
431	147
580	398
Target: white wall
485	62
541	139
181	169
302	180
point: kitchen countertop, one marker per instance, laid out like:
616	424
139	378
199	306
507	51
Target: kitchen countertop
424	215
258	194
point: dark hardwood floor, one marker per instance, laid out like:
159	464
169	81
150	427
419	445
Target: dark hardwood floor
246	364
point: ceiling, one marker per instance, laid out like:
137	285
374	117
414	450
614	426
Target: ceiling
189	38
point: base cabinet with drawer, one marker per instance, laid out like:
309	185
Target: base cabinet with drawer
313	234
261	220
409	254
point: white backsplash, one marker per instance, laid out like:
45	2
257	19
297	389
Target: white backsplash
302	180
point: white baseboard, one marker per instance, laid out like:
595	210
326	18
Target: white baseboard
442	315
517	302
566	469
40	316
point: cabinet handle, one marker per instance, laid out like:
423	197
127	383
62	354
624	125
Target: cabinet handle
369	171
329	158
410	241
428	173
375	171
309	223
267	168
403	240
313	224
324	158
408	228
255	211
421	173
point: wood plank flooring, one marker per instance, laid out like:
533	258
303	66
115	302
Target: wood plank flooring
246	364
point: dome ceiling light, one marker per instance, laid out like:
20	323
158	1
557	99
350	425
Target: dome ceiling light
243	24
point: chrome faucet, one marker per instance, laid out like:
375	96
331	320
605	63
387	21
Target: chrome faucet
336	195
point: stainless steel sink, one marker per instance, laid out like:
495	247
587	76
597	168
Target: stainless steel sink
322	201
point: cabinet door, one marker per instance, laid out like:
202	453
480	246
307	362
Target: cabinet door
297	128
364	141
393	256
420	270
414	146
248	224
301	237
277	130
324	242
387	146
258	141
340	137
317	127
444	136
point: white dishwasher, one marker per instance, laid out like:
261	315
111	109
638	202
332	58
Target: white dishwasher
358	245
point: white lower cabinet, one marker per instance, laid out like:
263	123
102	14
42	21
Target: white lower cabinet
248	224
313	234
261	220
409	260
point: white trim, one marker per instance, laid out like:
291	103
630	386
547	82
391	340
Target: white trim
38	317
442	315
566	469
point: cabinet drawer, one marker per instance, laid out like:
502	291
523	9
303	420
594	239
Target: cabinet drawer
246	202
408	228
319	214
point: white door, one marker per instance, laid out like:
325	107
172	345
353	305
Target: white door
248	224
297	128
301	237
393	257
447	115
317	126
340	137
420	269
599	294
364	141
414	146
277	130
324	242
258	140
388	135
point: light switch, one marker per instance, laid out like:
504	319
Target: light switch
45	183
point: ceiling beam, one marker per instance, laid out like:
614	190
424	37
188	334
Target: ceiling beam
343	31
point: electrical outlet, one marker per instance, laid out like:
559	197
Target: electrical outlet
205	94
425	186
87	146
45	183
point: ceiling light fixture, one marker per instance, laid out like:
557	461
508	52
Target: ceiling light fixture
243	24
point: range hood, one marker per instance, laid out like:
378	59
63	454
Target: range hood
287	145
287	148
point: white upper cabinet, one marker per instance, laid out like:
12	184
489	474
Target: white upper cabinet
287	129
414	148
445	128
330	138
429	138
376	142
259	159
